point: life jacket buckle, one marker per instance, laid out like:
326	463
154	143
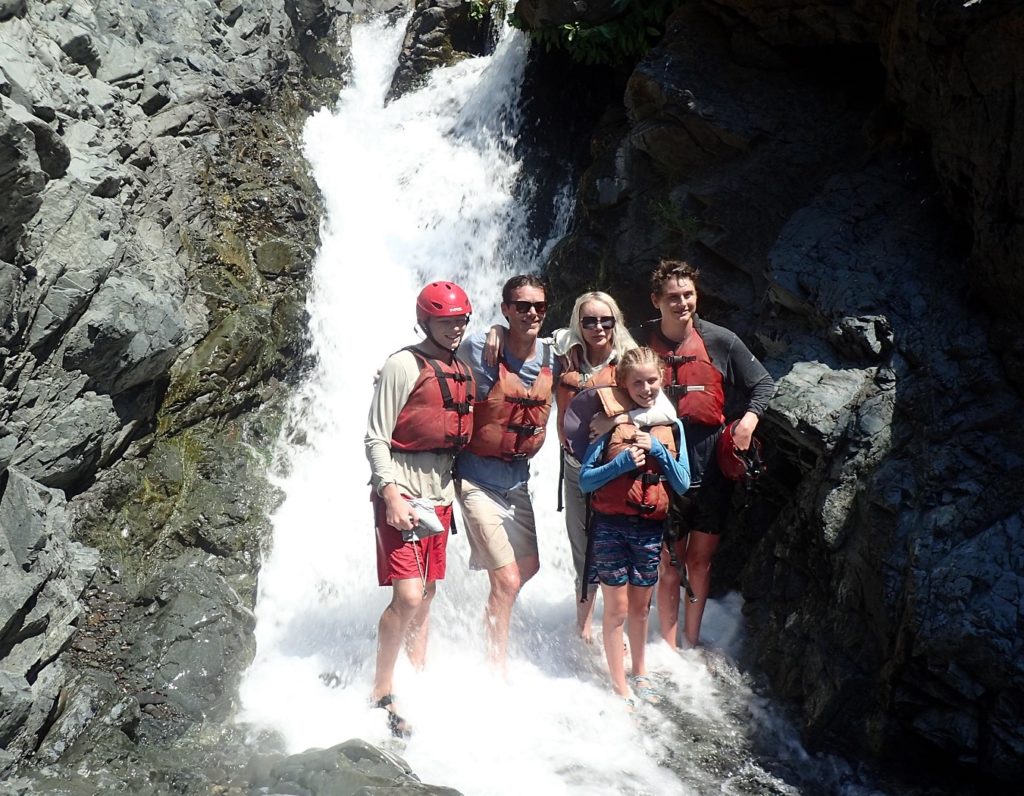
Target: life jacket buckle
643	508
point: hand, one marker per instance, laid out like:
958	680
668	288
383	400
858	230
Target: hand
743	431
494	345
601	424
643	440
398	513
639	457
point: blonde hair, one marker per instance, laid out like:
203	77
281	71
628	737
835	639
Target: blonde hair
622	340
635	358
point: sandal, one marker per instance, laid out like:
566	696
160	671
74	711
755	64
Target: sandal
399	727
645	689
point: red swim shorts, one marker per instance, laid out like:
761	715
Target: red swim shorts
398	560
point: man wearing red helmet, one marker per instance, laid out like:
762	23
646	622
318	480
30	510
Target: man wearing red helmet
511	412
420	417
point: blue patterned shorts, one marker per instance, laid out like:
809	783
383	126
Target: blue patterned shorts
626	549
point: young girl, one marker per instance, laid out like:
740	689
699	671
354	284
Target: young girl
628	473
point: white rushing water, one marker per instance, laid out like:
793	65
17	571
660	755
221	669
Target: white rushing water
425	188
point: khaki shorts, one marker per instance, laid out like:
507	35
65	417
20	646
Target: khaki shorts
499	525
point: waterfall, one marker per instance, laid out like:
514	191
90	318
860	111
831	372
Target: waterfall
428	187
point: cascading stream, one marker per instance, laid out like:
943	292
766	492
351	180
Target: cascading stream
424	188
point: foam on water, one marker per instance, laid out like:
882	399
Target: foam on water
422	188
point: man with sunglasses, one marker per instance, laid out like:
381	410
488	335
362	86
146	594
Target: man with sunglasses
513	401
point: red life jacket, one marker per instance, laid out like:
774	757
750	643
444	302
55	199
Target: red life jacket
642	492
511	423
438	416
690	379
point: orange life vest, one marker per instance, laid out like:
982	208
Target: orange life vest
572	382
641	492
511	422
438	416
690	379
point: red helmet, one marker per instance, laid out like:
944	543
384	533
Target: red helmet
442	300
737	465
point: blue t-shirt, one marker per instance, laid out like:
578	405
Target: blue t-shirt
488	471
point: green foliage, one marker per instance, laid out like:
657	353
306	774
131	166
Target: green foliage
623	39
479	9
672	218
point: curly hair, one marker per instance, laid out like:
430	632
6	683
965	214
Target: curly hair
672	269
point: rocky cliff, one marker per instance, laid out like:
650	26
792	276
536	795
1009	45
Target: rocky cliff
843	174
846	175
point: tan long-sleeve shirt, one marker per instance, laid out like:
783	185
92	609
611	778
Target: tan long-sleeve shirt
425	474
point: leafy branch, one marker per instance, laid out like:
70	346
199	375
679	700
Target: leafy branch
625	38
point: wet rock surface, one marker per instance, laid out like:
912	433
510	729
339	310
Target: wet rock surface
440	33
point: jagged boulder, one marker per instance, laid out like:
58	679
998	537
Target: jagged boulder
350	767
22	179
42	575
888	511
439	33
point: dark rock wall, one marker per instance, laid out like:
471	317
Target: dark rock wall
843	174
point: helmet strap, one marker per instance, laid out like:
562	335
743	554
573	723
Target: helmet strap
425	327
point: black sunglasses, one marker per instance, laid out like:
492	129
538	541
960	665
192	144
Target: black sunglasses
592	322
523	307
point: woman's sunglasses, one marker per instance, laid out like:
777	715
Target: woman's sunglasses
523	307
592	322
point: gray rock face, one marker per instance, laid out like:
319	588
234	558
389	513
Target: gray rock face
129	336
42	575
193	636
21	181
147	197
971	117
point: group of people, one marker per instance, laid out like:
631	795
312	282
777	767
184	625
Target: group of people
639	417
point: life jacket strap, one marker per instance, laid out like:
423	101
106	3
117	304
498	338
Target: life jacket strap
675	390
525	401
643	508
525	430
